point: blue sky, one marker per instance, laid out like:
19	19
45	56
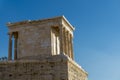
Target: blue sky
96	37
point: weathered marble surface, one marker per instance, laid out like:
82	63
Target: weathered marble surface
58	67
43	50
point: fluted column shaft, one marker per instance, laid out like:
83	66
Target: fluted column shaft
10	47
67	43
71	43
61	40
64	41
15	45
69	49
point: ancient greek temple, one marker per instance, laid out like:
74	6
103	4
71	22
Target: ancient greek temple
50	36
41	50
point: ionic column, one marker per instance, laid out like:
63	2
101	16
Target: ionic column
71	45
67	43
10	47
61	40
69	49
64	41
15	45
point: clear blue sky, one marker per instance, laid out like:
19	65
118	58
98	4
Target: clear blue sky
97	34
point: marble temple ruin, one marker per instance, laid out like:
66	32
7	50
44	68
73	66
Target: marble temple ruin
41	50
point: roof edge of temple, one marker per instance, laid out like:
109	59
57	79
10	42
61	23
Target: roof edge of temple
65	19
9	24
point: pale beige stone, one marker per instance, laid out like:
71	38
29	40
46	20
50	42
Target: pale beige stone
43	51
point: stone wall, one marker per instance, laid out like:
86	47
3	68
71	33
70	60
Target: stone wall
34	39
51	68
46	69
76	72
